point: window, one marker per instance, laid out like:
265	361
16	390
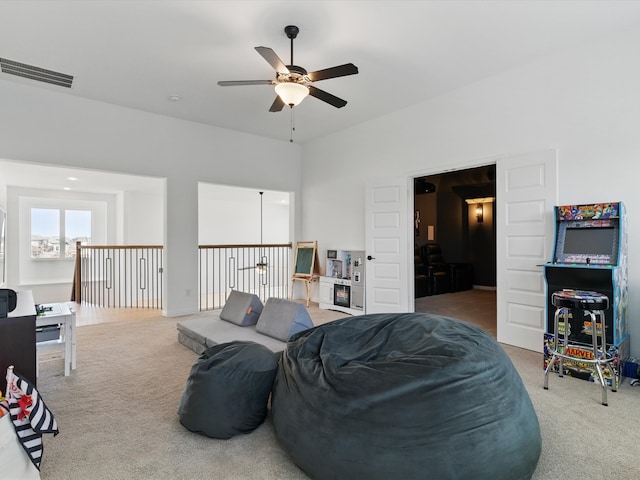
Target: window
77	225
54	232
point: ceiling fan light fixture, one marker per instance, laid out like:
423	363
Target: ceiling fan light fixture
292	93
261	266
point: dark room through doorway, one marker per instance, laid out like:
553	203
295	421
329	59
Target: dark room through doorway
455	245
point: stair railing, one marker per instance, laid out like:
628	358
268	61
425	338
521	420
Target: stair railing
261	269
122	276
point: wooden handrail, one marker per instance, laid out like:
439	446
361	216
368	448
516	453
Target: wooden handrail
118	247
248	245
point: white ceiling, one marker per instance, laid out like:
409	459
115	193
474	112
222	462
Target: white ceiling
138	54
25	175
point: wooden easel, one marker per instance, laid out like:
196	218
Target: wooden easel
306	267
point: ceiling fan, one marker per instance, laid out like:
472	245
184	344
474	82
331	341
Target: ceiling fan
292	82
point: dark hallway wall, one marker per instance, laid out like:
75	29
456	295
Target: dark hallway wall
482	245
453	227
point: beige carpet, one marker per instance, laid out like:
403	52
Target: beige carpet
117	417
474	306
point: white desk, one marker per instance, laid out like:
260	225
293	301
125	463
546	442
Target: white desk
59	314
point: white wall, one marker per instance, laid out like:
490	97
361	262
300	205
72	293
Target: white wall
43	126
231	215
3	193
585	102
143	218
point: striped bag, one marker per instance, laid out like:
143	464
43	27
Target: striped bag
30	416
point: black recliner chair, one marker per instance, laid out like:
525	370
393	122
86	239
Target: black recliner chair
438	271
420	275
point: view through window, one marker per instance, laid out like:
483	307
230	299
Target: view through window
54	232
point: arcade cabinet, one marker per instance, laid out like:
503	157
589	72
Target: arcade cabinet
590	254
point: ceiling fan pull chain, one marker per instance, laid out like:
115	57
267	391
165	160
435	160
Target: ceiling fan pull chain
293	127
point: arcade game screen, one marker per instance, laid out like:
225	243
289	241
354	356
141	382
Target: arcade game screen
589	241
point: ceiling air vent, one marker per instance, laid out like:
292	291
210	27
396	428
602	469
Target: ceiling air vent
35	73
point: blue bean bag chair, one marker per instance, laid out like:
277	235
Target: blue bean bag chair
403	396
228	389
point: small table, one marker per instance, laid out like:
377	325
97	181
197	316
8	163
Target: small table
58	314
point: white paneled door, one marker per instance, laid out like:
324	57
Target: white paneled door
526	192
387	236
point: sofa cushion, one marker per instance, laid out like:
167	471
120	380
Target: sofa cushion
207	330
241	308
228	389
282	318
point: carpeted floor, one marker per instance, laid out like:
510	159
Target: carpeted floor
117	417
117	414
476	306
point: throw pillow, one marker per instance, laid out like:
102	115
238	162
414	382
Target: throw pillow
282	318
241	308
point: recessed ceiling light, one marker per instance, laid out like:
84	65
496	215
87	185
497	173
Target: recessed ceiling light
73	179
175	98
67	188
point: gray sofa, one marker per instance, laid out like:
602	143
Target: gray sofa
245	318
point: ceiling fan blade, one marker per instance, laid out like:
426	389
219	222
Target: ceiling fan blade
333	72
234	83
277	104
326	97
258	266
270	56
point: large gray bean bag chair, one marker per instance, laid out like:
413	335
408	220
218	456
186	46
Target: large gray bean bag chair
403	396
228	389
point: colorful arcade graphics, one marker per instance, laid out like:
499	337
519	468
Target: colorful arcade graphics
590	254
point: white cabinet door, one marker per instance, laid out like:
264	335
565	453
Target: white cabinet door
325	292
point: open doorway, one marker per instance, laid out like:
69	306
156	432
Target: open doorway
243	238
455	245
116	209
